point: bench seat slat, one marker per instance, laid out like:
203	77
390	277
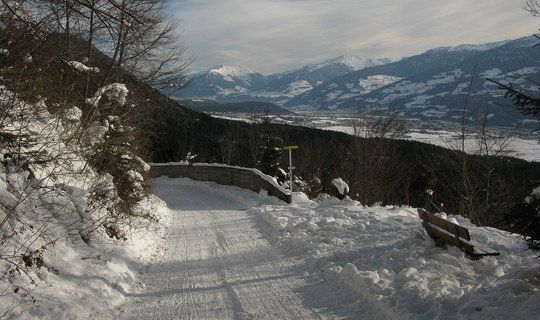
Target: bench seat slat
480	251
452	240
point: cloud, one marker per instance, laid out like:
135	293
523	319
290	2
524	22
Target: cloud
276	35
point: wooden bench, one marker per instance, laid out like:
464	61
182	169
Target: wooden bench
443	231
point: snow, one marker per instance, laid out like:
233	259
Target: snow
263	176
353	62
246	255
374	262
82	67
296	88
342	186
199	250
116	92
375	82
333	95
535	194
405	87
477	47
72	114
384	255
73	269
218	262
230	72
527	148
523	148
491	73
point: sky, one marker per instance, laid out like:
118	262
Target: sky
270	36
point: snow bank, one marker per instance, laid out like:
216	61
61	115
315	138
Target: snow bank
342	186
385	256
71	268
89	282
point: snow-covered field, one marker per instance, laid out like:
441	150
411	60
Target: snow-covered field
384	255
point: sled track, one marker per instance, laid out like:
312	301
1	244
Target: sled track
218	265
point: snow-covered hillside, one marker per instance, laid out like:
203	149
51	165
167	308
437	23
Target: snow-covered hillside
61	236
433	85
353	62
427	86
436	95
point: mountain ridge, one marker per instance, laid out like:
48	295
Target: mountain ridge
236	83
356	83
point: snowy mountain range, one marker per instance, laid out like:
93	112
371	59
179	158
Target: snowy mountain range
238	84
435	84
431	85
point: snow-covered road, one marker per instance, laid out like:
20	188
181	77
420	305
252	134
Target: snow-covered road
229	253
218	264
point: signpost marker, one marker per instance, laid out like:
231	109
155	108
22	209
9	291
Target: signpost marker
291	167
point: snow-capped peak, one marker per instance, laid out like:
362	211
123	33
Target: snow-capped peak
353	62
232	71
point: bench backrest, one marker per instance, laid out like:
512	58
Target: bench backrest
444	224
454	232
441	229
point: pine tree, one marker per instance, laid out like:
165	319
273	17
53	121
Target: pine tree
270	150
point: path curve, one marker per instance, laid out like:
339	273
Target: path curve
218	264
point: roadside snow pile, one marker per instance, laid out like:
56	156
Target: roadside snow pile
57	260
386	257
342	186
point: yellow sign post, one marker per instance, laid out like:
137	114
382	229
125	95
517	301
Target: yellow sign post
291	167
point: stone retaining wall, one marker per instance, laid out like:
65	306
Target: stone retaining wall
246	178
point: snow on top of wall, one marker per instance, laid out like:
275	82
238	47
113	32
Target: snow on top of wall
263	176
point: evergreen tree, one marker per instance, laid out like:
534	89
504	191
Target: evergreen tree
270	150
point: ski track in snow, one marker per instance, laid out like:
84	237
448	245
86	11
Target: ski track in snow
219	265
